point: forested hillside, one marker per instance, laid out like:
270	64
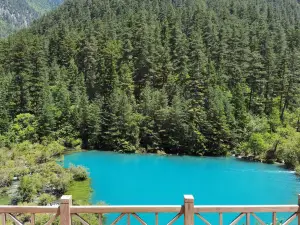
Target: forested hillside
200	77
16	14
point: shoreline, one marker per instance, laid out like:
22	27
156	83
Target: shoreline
249	158
236	157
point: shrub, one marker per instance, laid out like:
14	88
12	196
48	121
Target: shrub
23	128
257	143
30	185
291	157
289	150
4	141
125	146
42	157
59	183
42	219
20	171
46	199
79	173
22	147
55	149
5	178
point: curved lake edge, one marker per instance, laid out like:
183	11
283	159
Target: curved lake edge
249	158
151	179
237	158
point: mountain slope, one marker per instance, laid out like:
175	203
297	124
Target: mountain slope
16	14
200	77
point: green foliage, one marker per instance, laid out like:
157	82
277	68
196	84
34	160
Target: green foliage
289	149
30	185
79	173
41	219
34	170
257	143
4	200
23	128
80	191
5	178
46	199
92	218
184	77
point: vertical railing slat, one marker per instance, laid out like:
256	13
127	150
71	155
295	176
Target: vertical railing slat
3	218
221	218
156	218
248	219
274	218
100	219
128	219
32	219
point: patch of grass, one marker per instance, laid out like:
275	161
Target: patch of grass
80	191
4	200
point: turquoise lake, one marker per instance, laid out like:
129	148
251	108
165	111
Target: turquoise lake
122	179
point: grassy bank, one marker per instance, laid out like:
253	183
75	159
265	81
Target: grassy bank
81	191
4	200
30	174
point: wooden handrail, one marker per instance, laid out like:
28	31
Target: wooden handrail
28	209
127	209
66	210
245	208
152	209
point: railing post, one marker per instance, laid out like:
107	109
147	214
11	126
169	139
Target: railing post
3	219
188	210
65	212
299	209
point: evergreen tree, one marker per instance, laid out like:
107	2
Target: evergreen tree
188	77
4	102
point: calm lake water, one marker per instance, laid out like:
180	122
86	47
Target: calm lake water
120	179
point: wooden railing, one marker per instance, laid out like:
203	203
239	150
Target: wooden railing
66	211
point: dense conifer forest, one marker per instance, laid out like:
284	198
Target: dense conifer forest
197	77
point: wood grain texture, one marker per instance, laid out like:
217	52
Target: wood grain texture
221	218
248	219
14	219
100	219
203	219
32	219
3	219
81	219
274	219
126	209
290	219
188	210
51	220
29	209
65	213
237	219
247	208
118	219
174	219
139	219
258	219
